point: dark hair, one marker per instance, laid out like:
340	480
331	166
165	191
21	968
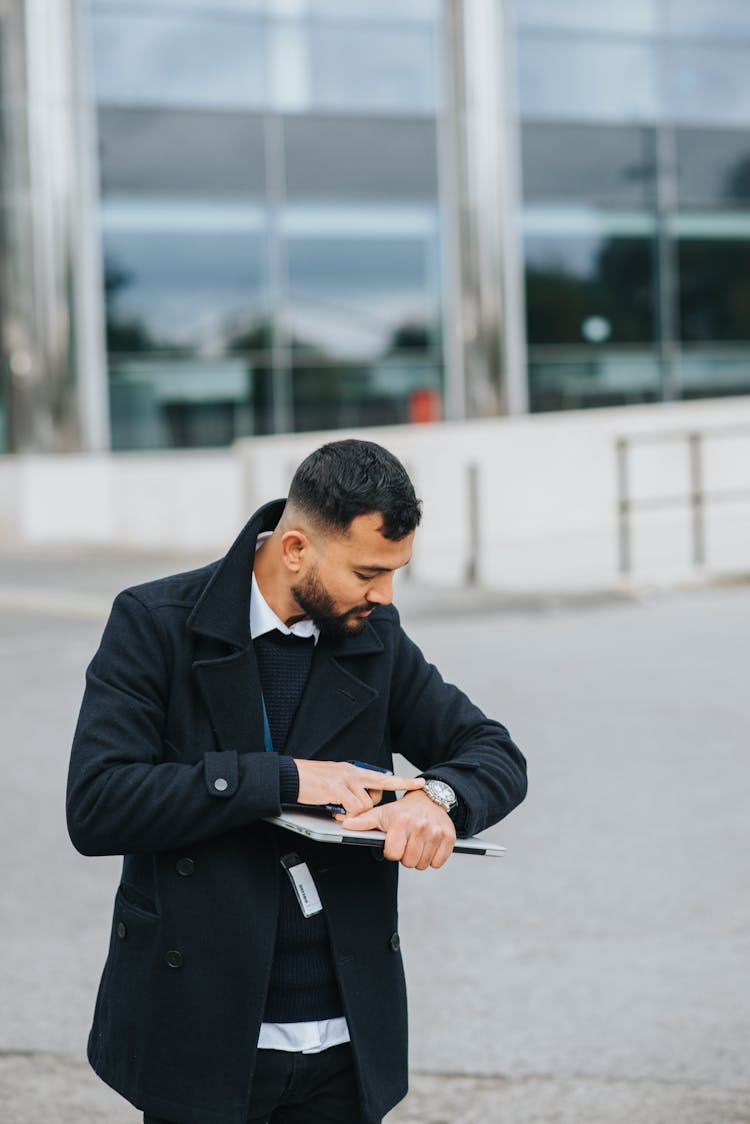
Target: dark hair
344	479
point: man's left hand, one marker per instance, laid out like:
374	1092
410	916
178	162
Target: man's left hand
418	832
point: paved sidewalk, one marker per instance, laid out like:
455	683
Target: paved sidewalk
55	1089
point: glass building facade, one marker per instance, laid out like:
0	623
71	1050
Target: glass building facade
635	124
266	226
269	215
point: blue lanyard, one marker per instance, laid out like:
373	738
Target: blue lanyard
267	742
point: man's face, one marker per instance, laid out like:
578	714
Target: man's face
343	578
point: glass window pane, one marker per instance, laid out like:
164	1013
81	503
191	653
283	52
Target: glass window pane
182	291
398	388
180	153
178	60
714	289
373	69
168	6
635	16
362	320
332	158
187	331
707	374
588	80
589	290
716	19
713	166
180	401
355	296
586	380
709	83
566	162
394	11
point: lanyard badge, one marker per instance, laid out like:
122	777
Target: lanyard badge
303	884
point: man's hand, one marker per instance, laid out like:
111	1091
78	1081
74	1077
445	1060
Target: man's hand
418	832
338	782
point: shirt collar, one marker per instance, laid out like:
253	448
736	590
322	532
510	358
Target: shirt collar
263	619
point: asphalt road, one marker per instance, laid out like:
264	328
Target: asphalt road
600	968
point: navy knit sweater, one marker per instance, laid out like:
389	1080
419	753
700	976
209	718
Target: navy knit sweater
303	984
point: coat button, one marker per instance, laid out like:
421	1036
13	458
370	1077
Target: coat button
377	854
122	930
175	958
186	867
221	784
395	942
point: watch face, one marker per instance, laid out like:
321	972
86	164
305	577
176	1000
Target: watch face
443	791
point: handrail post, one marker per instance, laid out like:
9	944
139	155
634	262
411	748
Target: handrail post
472	509
624	544
697	498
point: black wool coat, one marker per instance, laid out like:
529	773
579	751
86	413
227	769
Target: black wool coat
169	769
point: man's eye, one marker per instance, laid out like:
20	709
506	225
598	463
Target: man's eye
363	577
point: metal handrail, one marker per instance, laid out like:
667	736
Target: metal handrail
696	497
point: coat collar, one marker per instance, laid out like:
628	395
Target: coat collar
223	609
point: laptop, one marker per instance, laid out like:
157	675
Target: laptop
320	827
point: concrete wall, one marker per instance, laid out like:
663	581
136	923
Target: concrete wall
179	500
546	494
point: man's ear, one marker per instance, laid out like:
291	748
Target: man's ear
294	544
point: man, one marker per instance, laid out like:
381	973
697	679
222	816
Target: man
228	996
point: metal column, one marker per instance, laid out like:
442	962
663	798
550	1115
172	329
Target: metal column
479	168
53	320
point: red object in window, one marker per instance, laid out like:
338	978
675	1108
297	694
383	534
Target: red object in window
425	405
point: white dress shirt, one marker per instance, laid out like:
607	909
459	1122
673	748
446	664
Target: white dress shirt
312	1037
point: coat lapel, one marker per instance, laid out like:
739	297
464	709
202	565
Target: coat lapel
223	609
228	677
334	695
231	691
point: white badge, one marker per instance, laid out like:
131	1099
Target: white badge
304	886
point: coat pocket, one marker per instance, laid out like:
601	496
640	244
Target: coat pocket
123	1013
134	899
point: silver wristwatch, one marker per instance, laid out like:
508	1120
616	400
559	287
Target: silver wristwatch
441	793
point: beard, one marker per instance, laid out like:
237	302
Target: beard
313	598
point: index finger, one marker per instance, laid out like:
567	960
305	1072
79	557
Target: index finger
387	782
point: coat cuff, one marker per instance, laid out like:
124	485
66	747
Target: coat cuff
288	780
221	771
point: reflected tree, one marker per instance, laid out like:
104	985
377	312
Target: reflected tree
318	380
124	334
736	186
255	345
620	288
412	336
714	290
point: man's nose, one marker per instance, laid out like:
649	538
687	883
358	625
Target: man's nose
381	591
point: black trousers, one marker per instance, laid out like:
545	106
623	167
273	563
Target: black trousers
291	1088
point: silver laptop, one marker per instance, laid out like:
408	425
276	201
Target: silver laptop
320	826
